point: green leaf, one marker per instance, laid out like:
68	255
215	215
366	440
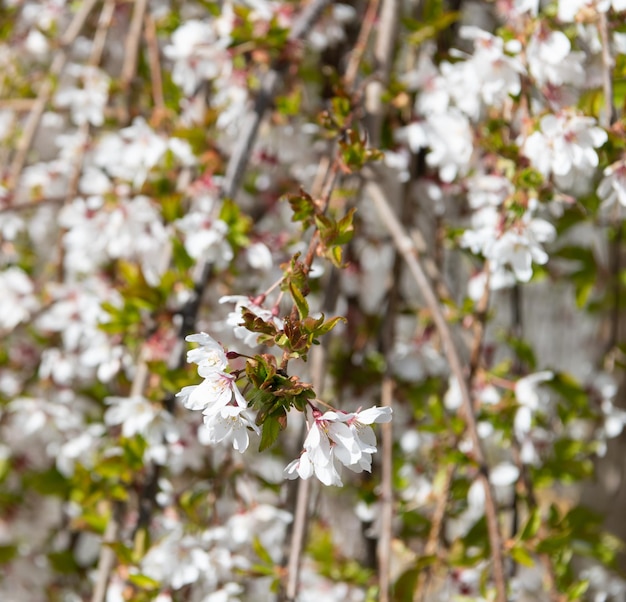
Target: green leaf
404	587
63	562
303	207
328	325
261	552
7	553
270	432
532	525
238	224
300	301
576	590
521	556
144	582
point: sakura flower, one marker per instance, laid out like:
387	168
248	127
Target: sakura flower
132	152
234	319
504	474
232	101
449	137
88	99
488	189
612	188
80	448
178	560
565	146
552	61
98	232
522	245
259	256
230	423
495	73
226	416
199	53
526	389
205	238
331	31
216	391
138	416
304	467
516	8
531	400
76	311
210	356
18	301
569	10
341	437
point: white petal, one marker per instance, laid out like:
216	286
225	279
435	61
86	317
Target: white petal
504	474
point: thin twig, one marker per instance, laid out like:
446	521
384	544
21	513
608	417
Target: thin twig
131	48
45	92
526	484
57	200
607	120
245	142
610	114
434	534
361	44
107	554
383	57
407	249
150	35
99	39
18	104
301	513
97	49
479	328
386	497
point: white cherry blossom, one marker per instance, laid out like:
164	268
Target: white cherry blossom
569	10
612	187
87	100
17	301
234	319
448	136
230	423
338	437
199	54
564	146
551	59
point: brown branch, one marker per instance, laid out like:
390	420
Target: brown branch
479	328
107	554
131	47
45	92
241	153
406	248
430	549
20	105
607	120
99	39
608	63
150	35
386	497
383	57
301	513
356	56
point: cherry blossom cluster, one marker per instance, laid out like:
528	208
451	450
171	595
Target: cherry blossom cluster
334	437
224	409
338	438
502	149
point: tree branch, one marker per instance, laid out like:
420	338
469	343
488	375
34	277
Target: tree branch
45	92
406	248
241	154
